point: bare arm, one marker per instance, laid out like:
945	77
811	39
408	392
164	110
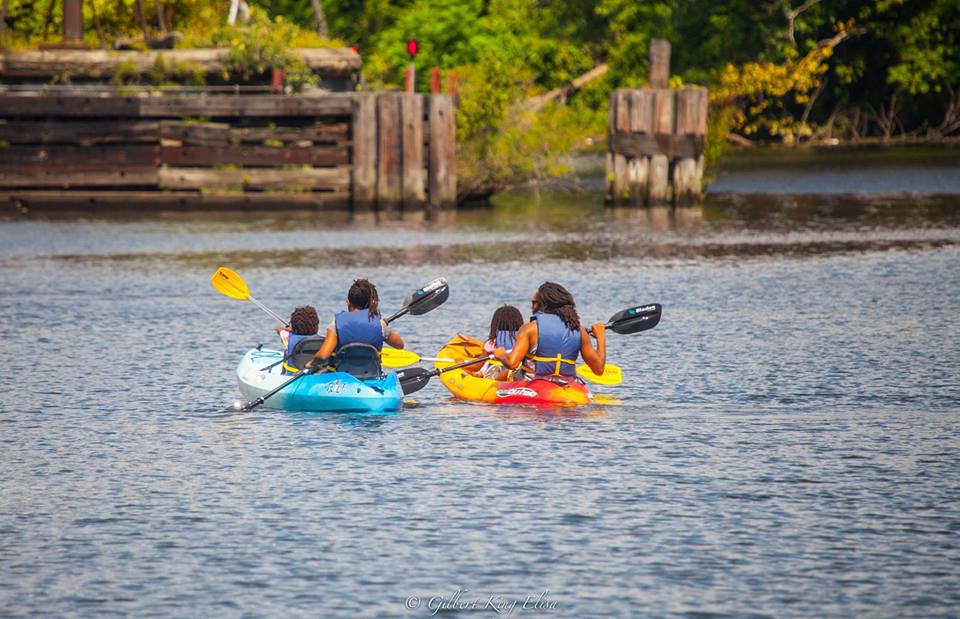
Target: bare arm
394	339
596	358
526	338
329	345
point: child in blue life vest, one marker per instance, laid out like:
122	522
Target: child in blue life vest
360	324
504	325
304	323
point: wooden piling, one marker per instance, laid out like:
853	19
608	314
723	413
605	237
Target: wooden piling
443	175
364	126
656	140
411	113
389	144
659	70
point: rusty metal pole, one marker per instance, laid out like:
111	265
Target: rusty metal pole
73	22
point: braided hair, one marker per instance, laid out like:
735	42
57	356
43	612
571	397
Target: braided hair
304	321
555	299
363	295
506	318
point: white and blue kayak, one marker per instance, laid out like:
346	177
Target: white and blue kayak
260	373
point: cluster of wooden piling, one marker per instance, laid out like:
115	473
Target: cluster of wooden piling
656	139
366	151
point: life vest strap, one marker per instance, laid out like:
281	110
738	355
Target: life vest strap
557	360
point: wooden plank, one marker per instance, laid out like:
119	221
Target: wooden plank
255	178
254	155
67	106
195	133
443	152
640	123
638	174
389	143
118	177
411	114
642	144
663	112
684	169
87	198
99	63
63	157
659	76
84	133
621	125
658	185
214	134
364	128
213	106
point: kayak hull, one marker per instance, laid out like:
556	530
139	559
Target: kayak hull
326	392
465	386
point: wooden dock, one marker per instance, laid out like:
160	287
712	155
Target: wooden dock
383	151
656	139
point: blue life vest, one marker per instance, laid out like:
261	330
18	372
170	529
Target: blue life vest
358	327
558	347
292	340
506	339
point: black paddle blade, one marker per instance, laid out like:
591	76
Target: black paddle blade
428	298
414	379
635	319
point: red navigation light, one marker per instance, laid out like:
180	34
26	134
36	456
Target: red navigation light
413	46
356	49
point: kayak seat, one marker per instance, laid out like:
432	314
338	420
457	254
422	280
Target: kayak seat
304	351
359	360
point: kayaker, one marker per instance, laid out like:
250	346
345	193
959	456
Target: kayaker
504	324
554	338
304	323
360	324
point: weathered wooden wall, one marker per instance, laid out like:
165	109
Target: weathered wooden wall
656	138
365	151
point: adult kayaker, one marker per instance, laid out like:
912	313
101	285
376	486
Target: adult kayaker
504	324
360	324
304	323
554	338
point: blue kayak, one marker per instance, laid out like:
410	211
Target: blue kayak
326	392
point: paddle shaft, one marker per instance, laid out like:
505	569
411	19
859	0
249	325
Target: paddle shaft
249	406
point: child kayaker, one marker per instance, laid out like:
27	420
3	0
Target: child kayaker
304	322
360	324
504	324
554	338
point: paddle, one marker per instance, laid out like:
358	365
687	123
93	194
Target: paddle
625	322
415	379
232	285
249	406
417	303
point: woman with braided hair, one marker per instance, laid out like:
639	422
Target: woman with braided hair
360	324
554	337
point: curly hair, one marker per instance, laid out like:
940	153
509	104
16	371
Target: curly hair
363	295
505	318
304	321
555	299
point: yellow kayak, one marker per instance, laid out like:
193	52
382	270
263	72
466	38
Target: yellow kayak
465	386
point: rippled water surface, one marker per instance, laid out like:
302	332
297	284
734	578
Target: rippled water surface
787	442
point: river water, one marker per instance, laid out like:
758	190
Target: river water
787	442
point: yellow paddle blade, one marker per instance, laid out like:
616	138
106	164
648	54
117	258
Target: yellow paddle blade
230	284
606	400
611	375
397	358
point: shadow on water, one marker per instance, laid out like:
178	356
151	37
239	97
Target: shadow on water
547	226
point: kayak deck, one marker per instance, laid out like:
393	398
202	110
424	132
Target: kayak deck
321	392
465	386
